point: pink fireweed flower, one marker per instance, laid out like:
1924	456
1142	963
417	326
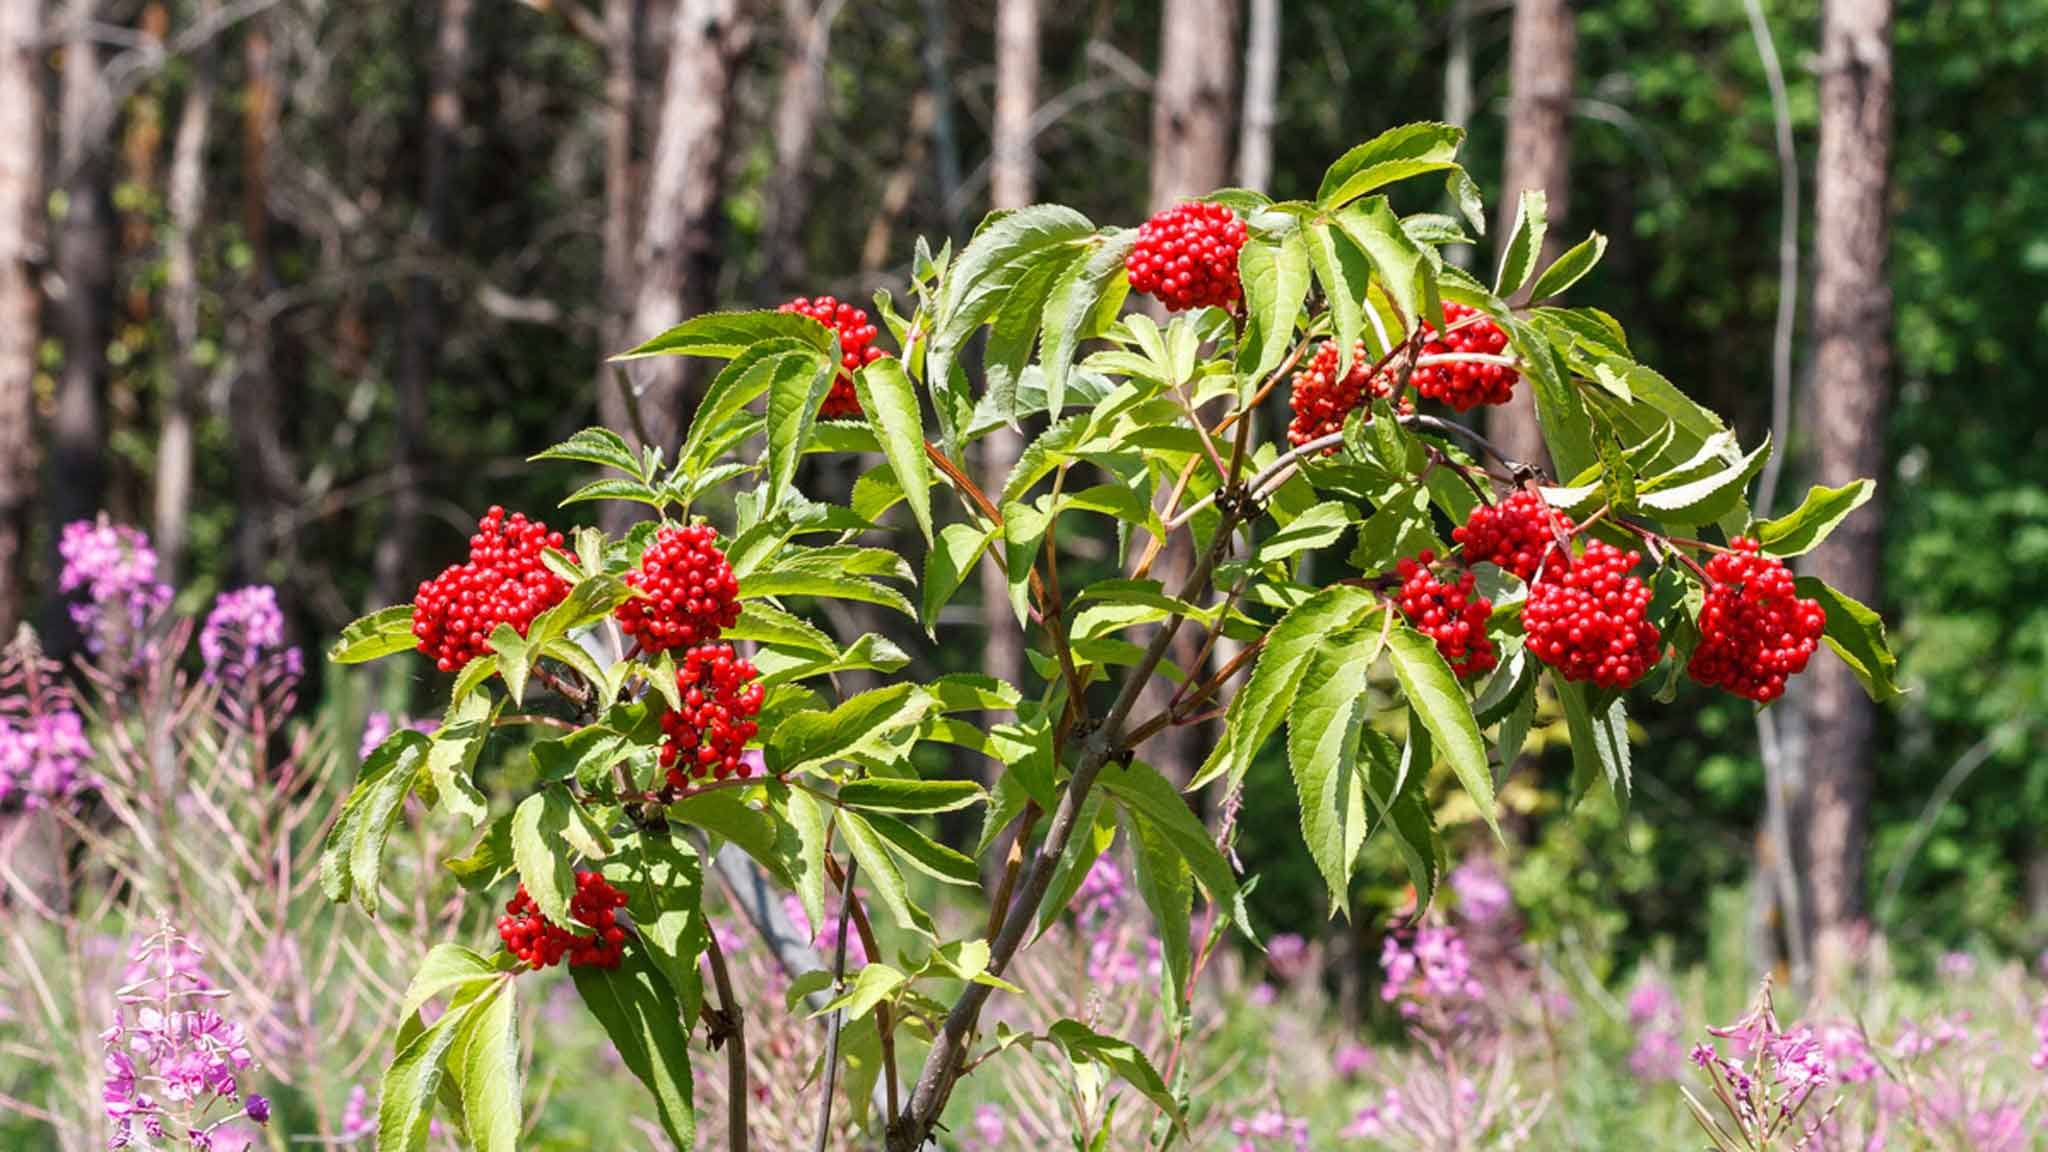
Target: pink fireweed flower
1773	1076
1432	967
1287	957
44	752
991	1131
1352	1060
242	641
171	1060
113	568
1482	891
1269	1131
1656	1019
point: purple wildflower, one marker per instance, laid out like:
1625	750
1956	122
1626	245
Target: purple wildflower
1269	1131
1656	1019
1482	891
1287	956
168	1035
115	569
358	1118
1352	1059
243	641
1433	967
991	1130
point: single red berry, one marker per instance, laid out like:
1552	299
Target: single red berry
1755	631
1588	618
1468	382
541	944
1451	614
1186	257
504	582
708	735
691	593
857	334
1515	534
1321	400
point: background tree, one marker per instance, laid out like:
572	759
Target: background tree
21	183
1852	320
1540	67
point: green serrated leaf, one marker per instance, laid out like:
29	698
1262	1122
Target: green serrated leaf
1569	268
1275	277
541	851
1256	711
600	446
880	794
725	335
1396	154
891	404
1525	244
640	1013
1857	635
373	637
1433	692
1801	530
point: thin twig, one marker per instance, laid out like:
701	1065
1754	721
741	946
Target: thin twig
729	1027
832	1020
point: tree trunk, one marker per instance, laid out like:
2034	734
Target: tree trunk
678	250
267	475
187	205
1010	186
799	99
1192	111
422	336
21	200
1261	89
85	252
1538	156
1852	401
1192	102
1458	93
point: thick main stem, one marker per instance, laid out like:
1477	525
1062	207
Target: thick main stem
734	1026
949	1048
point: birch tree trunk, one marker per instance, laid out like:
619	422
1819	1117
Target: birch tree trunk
187	208
1010	186
678	254
1194	106
1261	90
21	198
1852	401
1538	156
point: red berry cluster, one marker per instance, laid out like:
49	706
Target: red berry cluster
857	334
1321	400
1588	618
1464	385
504	582
692	595
1514	534
708	734
1187	257
531	937
1449	613
1755	631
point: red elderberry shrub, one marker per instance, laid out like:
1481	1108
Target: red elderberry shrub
1321	401
1464	385
504	582
1186	256
708	734
1449	613
857	334
1755	631
1588	618
541	944
1514	534
692	595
